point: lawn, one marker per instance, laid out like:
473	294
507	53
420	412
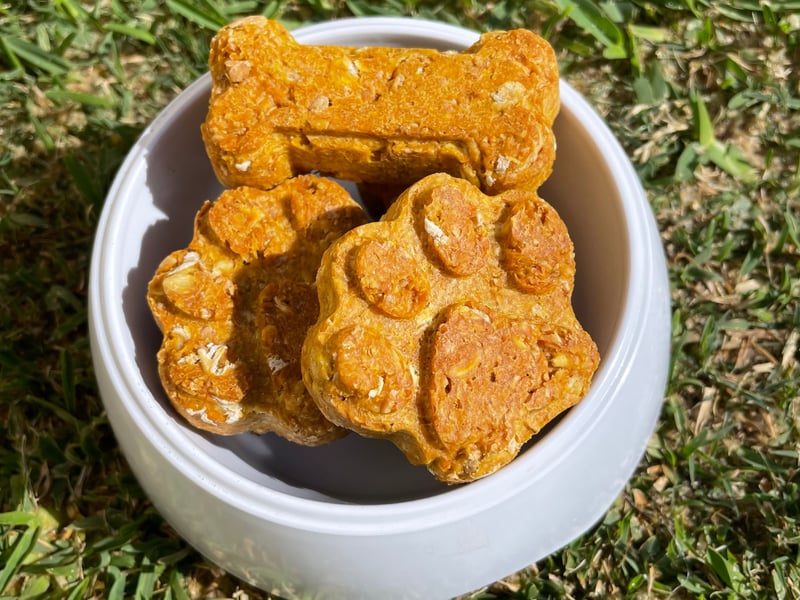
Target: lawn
704	97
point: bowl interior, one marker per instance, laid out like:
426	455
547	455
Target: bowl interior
157	201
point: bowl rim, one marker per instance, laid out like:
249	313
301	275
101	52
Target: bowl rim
384	518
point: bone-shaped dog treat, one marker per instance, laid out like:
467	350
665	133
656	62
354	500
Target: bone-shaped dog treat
380	115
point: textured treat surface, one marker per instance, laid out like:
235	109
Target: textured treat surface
447	327
383	117
235	305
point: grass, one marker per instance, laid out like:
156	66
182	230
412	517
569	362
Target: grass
705	98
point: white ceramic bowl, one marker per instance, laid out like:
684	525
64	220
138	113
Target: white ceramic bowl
353	519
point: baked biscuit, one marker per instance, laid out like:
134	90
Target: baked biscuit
234	307
379	115
447	327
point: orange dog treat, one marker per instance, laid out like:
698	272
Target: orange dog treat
235	305
447	327
385	116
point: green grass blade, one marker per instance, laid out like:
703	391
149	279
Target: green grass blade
79	590
39	127
725	156
17	518
702	120
119	579
590	17
20	549
732	161
208	18
176	586
71	8
22	51
90	100
656	35
67	380
131	31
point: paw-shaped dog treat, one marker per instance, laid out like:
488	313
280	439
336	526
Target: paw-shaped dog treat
447	327
235	305
380	115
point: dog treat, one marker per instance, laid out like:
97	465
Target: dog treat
386	116
234	307
447	327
